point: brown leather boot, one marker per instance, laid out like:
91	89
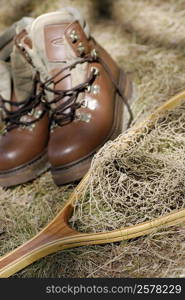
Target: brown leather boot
23	145
85	89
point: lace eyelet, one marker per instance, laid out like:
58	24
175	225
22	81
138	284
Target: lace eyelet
53	126
81	49
84	103
88	89
23	119
95	70
37	114
94	53
31	113
95	89
74	37
31	127
82	116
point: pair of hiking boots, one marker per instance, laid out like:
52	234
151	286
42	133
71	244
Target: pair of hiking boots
61	96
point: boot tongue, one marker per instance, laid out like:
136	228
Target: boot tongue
51	51
47	33
57	52
55	46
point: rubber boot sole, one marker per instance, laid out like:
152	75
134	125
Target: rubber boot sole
25	172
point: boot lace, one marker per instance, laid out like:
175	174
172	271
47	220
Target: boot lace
12	119
65	111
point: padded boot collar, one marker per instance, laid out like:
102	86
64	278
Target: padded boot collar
5	82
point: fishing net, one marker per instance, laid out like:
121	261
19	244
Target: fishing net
135	178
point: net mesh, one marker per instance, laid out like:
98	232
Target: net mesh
135	178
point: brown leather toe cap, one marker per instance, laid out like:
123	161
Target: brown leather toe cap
20	146
75	141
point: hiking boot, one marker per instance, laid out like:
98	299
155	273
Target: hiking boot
84	88
23	144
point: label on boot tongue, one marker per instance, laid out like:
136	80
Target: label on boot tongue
54	42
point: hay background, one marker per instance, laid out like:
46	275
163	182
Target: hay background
147	38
